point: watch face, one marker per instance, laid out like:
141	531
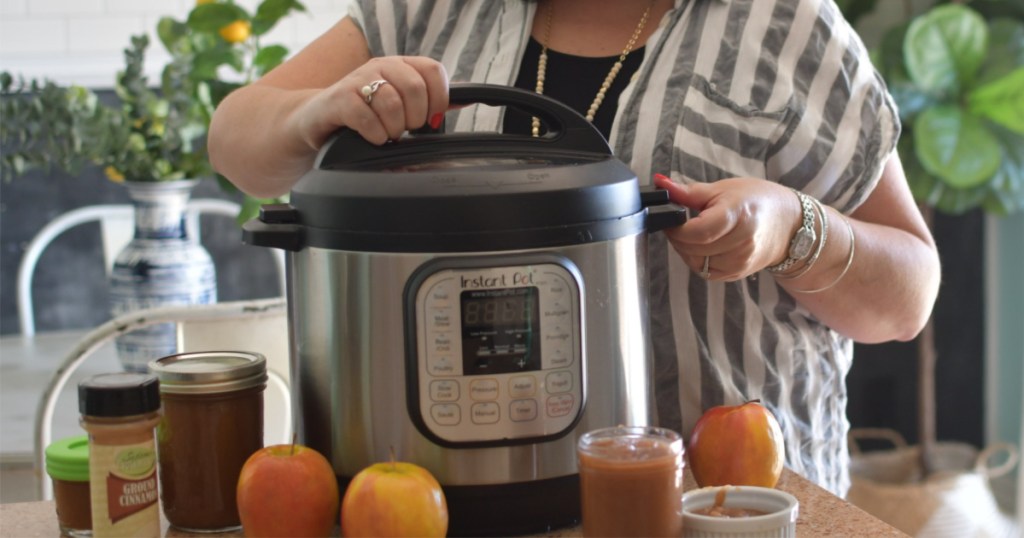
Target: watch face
800	248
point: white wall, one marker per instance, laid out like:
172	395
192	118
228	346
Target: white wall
81	41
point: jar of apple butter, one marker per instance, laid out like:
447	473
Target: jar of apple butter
212	423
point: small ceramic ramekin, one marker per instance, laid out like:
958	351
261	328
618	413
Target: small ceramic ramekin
779	520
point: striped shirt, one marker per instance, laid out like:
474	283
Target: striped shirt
775	89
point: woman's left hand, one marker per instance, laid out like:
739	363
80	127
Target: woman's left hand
744	225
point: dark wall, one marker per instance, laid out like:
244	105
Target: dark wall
69	288
883	382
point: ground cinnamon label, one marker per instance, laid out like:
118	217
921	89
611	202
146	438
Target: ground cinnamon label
120	412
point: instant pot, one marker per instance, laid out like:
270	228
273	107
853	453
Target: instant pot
473	301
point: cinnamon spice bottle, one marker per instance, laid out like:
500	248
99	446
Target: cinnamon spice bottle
120	412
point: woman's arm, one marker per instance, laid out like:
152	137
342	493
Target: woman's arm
264	136
889	288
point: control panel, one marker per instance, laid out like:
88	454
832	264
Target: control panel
499	351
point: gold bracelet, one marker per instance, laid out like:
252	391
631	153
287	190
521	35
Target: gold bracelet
821	244
849	262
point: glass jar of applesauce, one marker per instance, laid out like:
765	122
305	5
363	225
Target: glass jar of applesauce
213	422
67	463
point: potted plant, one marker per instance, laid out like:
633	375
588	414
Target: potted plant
956	72
153	140
153	134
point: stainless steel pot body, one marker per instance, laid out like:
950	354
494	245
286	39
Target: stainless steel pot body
350	374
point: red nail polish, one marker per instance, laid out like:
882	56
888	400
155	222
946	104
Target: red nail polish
436	119
662	177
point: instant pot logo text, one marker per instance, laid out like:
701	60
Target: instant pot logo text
497	281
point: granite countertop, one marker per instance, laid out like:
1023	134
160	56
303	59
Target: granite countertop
821	514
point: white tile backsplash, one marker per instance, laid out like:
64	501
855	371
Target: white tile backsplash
13	7
108	33
81	41
32	38
65	7
176	8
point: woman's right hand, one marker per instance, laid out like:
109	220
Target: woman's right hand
416	91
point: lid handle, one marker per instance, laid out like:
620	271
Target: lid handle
568	132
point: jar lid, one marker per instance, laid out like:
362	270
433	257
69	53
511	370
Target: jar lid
209	372
68	459
118	395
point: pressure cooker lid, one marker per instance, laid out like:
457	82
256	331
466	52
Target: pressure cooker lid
452	191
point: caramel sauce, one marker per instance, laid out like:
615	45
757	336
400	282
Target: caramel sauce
720	510
631	488
204	441
74	507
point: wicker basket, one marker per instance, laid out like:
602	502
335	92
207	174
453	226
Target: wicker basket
954	501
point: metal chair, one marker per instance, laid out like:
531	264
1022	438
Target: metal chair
258	325
117	227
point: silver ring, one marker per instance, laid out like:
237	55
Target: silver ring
705	272
371	89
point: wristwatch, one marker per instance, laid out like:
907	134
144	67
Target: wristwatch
803	240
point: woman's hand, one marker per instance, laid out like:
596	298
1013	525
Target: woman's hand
416	91
744	225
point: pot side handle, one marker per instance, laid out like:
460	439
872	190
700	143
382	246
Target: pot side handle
277	227
661	214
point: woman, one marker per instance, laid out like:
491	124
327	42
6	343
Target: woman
755	111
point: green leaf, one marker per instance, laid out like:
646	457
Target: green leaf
910	99
1007	186
1005	50
213	17
171	32
270	12
1001	101
206	63
934	192
268	58
955	146
251	208
944	49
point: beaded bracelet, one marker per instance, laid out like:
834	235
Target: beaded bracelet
821	244
846	268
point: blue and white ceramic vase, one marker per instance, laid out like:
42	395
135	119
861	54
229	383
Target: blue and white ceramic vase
161	266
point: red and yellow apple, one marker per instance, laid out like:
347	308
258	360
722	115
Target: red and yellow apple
287	490
739	445
394	499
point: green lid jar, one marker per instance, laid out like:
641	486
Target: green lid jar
67	463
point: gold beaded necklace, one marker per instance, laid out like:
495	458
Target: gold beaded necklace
542	63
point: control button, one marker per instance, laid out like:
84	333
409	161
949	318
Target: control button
446	414
483	389
440	365
444	390
522	410
440	294
561	405
441	342
558	382
440	318
557	311
522	386
485	413
558	357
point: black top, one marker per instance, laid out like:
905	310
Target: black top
119	395
575	81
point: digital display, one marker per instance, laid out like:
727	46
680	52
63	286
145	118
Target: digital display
500	330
